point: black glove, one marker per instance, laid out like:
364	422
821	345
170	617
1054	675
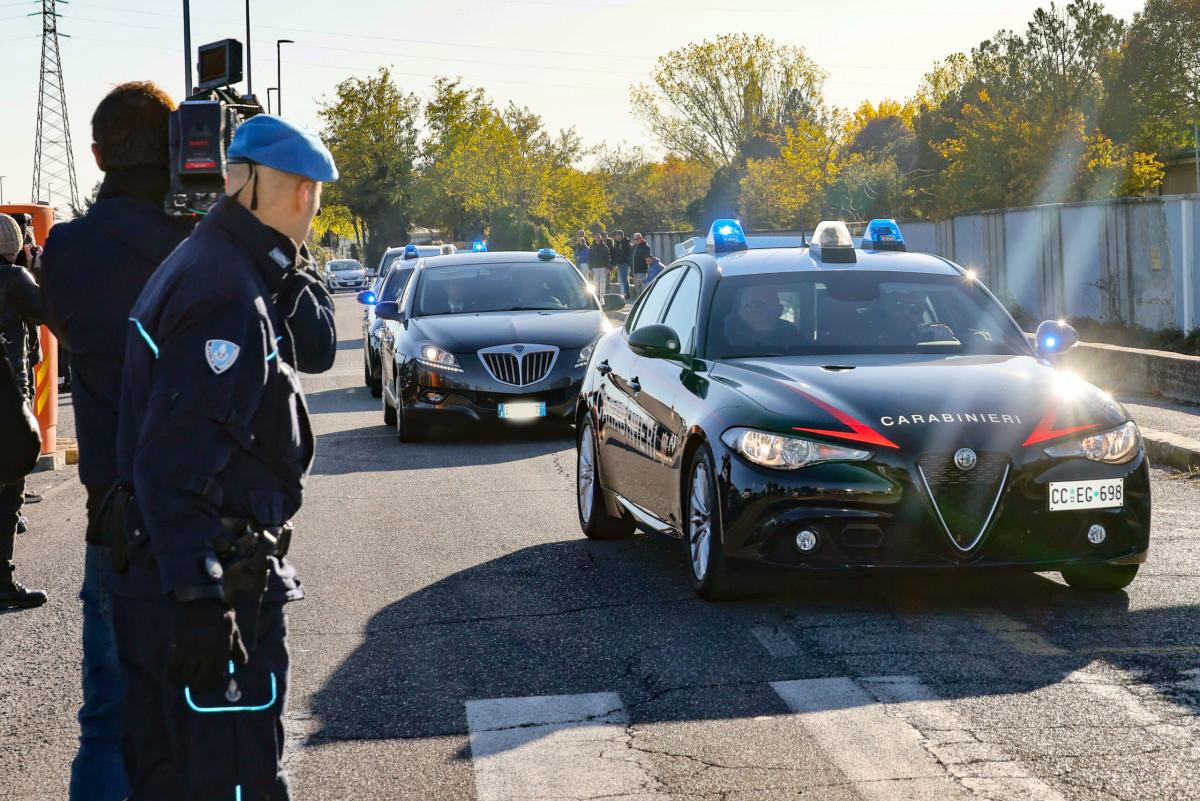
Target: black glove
206	638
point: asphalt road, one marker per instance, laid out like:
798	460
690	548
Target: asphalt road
462	640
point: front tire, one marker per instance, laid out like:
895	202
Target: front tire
702	536
405	431
389	411
374	383
1099	578
594	519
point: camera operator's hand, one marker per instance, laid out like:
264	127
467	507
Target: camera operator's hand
206	639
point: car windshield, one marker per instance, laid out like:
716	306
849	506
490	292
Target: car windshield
523	286
345	266
394	284
850	312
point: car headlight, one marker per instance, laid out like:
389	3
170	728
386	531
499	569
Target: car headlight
1115	446
787	453
438	358
585	355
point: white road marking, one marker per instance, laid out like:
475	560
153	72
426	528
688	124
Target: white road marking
778	642
893	739
555	747
983	768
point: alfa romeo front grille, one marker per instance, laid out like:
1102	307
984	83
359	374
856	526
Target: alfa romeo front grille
519	365
964	500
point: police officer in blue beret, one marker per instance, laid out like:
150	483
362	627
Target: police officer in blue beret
214	445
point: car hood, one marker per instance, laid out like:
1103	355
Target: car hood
923	403
467	333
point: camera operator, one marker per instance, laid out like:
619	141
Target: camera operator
214	445
20	309
93	270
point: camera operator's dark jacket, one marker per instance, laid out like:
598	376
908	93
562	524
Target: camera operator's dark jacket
20	305
94	268
213	421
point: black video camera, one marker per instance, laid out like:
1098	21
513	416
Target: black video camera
202	128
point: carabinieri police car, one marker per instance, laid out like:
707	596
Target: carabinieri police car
827	407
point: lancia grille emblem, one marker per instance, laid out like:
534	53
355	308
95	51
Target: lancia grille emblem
965	459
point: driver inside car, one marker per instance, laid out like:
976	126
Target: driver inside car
757	321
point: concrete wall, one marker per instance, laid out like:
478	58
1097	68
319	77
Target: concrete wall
1131	260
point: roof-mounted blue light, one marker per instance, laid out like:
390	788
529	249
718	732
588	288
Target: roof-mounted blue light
547	254
479	247
726	236
883	235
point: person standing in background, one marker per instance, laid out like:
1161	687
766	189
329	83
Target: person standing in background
20	306
638	259
622	252
580	251
599	260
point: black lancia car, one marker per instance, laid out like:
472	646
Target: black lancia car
834	408
488	337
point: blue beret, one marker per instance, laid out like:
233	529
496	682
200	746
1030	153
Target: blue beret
273	142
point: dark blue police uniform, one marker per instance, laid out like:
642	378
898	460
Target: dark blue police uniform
214	440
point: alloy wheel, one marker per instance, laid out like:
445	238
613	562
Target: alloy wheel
700	520
586	476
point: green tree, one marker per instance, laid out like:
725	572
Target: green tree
1161	74
720	102
371	128
788	191
501	174
1015	122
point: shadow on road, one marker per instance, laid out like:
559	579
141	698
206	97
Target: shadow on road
583	617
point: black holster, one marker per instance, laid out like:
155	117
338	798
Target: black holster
245	551
111	526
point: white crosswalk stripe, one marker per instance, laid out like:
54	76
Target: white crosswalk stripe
893	738
555	747
778	642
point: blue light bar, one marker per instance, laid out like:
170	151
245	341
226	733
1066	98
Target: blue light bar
479	247
883	235
726	236
547	254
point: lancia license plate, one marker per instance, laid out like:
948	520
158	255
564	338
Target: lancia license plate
1108	493
522	411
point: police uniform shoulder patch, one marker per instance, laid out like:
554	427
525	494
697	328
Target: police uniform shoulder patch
221	354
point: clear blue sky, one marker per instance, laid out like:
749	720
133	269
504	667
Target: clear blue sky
572	62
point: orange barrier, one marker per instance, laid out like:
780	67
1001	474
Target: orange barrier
45	403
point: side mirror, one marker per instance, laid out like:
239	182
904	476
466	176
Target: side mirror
388	310
612	303
1055	337
655	342
366	298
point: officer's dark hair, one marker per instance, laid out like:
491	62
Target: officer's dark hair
130	126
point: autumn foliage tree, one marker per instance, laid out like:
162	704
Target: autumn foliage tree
371	129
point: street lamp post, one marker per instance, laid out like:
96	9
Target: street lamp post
2	177
279	74
269	90
249	60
